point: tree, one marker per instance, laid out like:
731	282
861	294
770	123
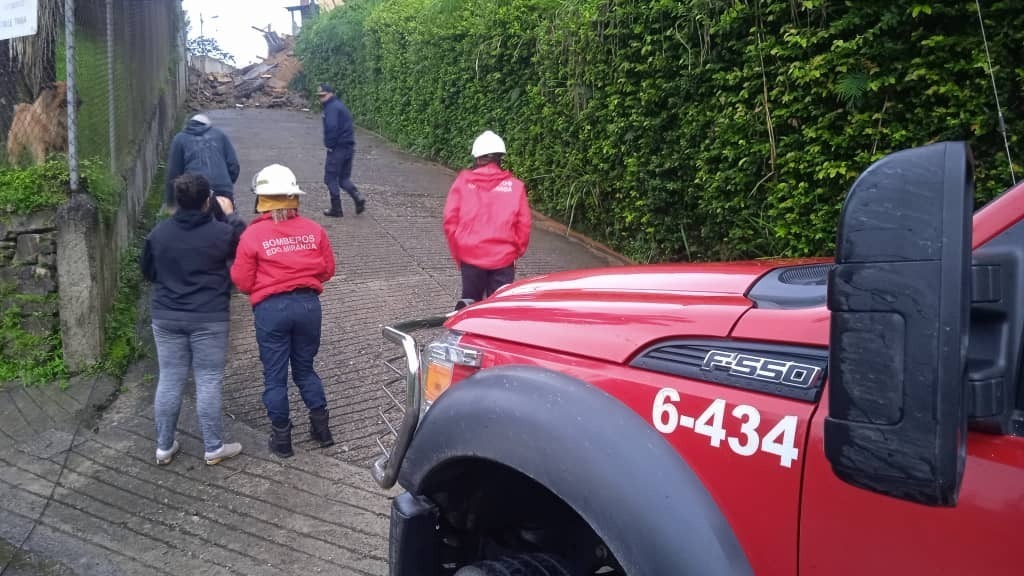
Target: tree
205	46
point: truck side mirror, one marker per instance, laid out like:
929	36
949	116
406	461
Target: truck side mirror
900	300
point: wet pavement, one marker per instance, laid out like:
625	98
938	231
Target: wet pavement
80	492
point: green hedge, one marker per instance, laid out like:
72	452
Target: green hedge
687	129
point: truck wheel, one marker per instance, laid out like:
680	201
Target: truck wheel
519	565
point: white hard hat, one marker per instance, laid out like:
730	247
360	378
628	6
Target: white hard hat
275	180
488	143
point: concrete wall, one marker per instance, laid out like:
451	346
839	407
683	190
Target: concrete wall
210	65
89	249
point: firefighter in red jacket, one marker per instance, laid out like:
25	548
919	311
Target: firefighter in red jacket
282	262
486	220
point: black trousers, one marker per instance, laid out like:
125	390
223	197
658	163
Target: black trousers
478	283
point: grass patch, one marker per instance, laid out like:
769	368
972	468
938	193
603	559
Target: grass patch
40	187
123	345
121	338
29	358
45	186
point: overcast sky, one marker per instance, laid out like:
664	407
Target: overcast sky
232	27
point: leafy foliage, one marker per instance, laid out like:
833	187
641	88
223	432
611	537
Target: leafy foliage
207	46
681	129
121	336
45	186
26	357
23	191
201	45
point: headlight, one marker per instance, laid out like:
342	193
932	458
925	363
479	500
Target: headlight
446	362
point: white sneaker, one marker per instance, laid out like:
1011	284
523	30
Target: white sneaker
164	457
223	453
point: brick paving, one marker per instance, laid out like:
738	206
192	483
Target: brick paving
80	492
393	264
82	495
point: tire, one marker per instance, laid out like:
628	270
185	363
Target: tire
519	565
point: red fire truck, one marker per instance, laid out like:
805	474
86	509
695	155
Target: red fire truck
856	415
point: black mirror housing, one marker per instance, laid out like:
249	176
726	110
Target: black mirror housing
900	300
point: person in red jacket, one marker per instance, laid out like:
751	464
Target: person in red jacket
486	220
282	262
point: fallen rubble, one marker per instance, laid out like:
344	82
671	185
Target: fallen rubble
263	84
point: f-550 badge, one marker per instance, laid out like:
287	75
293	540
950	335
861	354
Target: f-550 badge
764	369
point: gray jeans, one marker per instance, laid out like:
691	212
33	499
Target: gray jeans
201	347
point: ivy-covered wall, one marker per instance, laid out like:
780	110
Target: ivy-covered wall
682	129
29	321
30	329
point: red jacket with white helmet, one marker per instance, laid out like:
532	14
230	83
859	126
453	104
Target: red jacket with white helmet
487	218
277	257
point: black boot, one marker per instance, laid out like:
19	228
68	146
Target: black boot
280	442
319	430
335	210
360	205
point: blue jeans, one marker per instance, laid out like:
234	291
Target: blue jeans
338	173
181	346
288	330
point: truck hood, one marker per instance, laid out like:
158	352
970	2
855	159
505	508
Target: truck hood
610	313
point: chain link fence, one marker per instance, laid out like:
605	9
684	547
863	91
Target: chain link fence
88	99
125	54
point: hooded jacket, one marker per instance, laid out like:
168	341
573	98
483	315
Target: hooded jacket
338	131
202	149
487	218
278	257
186	258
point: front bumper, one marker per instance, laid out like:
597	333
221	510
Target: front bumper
412	541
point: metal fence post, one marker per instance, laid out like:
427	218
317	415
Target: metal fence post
69	60
111	120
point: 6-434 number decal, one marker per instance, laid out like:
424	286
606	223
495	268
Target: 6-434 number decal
780	440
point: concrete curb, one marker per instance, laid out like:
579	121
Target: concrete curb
552	225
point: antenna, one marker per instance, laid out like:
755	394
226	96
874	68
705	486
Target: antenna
999	109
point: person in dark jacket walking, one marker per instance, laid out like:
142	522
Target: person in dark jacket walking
201	148
186	258
339	139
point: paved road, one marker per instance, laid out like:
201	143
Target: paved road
82	495
79	490
393	264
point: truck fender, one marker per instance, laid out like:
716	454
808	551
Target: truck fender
597	455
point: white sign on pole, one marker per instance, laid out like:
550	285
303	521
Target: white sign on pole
18	18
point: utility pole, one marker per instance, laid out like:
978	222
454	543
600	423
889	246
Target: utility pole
202	57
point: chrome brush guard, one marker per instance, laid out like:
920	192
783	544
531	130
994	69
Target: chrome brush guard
405	366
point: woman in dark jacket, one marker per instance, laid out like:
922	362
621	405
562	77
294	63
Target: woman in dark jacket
187	258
